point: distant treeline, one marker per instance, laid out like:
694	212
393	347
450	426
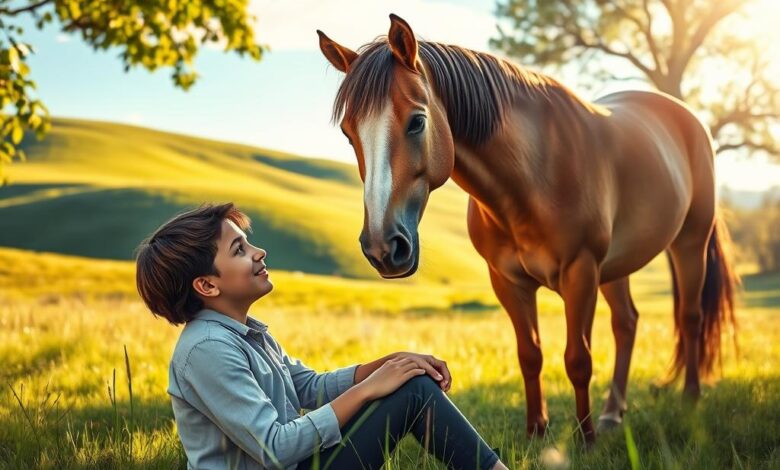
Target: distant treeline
755	231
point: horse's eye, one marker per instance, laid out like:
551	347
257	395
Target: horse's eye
416	125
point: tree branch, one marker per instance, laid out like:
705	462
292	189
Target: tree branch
679	26
600	45
620	78
749	144
748	108
650	39
644	29
28	8
740	116
721	10
580	40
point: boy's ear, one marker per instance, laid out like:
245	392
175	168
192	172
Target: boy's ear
204	287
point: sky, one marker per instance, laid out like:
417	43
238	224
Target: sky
284	101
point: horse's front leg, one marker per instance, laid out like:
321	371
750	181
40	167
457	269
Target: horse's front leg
579	289
518	297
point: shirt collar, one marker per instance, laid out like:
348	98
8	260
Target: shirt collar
252	325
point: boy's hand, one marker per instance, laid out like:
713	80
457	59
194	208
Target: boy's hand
434	367
389	376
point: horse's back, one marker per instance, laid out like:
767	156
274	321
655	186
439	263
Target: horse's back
662	162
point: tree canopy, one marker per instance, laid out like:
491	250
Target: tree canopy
705	52
150	34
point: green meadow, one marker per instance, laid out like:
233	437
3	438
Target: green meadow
96	189
83	365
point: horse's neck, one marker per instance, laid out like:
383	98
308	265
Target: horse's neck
487	171
527	159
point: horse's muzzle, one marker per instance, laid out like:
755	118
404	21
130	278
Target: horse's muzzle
396	255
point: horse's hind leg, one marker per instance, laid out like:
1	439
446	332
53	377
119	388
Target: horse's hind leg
624	320
689	260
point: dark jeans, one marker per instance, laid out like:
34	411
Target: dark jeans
420	407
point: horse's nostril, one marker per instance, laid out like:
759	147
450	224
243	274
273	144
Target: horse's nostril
375	262
400	250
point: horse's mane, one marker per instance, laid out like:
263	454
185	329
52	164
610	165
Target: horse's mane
476	88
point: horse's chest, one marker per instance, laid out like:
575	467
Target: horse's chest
541	265
517	261
513	257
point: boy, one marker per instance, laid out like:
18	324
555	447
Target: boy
237	395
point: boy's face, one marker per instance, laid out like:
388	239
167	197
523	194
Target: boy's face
242	272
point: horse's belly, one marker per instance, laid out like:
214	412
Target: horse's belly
635	243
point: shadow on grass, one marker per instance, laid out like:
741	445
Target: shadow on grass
736	424
45	358
126	215
322	169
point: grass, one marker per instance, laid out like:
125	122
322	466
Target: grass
96	189
65	401
83	365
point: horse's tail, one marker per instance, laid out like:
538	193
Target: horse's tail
717	303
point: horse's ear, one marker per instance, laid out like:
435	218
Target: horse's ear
402	42
338	55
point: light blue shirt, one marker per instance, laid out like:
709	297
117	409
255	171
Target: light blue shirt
237	397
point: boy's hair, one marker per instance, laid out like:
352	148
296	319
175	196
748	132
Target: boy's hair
178	252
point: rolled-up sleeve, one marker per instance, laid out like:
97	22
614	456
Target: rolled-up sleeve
316	389
221	385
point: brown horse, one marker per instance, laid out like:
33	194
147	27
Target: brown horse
570	195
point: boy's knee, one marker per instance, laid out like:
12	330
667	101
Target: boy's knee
422	384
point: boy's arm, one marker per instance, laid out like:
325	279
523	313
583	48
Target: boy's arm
218	383
316	389
313	389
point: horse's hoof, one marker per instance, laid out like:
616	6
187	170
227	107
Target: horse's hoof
536	430
585	434
586	438
608	423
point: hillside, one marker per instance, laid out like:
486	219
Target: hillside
96	189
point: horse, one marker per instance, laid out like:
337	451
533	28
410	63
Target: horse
564	193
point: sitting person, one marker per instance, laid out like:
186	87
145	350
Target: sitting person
236	393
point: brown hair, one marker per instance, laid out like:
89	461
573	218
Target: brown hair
178	252
476	88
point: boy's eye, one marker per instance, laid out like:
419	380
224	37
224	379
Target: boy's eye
240	249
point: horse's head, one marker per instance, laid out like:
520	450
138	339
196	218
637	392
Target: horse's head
402	140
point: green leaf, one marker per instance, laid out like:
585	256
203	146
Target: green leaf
13	59
17	134
151	34
9	149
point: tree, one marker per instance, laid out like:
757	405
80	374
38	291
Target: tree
700	51
150	34
754	230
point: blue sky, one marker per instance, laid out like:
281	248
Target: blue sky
284	101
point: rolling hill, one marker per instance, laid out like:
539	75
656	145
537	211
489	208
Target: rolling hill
96	189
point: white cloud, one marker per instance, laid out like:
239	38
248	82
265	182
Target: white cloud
62	38
292	24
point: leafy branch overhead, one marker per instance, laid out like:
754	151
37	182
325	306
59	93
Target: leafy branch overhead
704	52
150	34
